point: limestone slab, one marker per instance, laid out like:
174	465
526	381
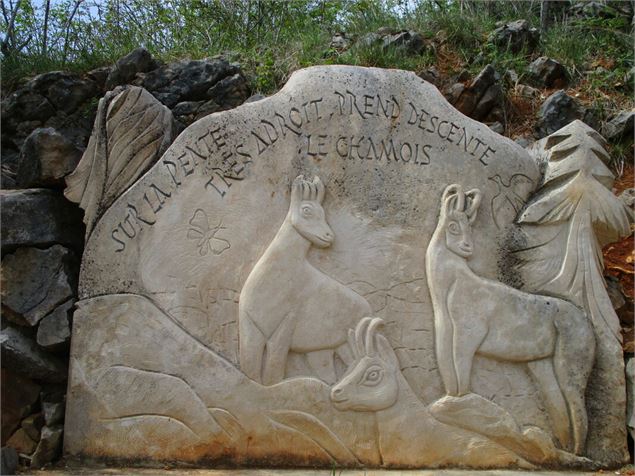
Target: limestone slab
321	278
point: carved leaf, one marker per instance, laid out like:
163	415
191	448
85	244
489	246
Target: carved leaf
132	130
311	427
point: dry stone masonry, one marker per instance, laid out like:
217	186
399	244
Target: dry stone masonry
350	272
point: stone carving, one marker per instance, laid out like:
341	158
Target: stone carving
204	234
288	305
374	383
217	291
132	129
576	211
473	315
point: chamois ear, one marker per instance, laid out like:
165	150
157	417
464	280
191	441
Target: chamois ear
473	201
386	352
320	188
297	189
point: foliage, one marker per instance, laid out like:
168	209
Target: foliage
271	38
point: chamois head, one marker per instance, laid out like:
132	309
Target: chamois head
458	212
306	212
371	382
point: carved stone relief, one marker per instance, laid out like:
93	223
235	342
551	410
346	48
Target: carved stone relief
283	287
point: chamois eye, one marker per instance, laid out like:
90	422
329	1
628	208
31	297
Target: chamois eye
454	228
306	211
373	376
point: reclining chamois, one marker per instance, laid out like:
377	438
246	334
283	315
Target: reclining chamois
288	305
410	433
475	315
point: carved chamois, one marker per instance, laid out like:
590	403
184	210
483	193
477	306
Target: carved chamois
410	435
475	315
288	305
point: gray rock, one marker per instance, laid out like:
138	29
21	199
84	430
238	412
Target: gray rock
39	217
431	75
523	141
526	91
26	105
137	61
8	460
50	446
407	40
497	127
481	96
21	354
454	92
548	72
560	109
628	198
54	331
340	42
53	412
34	281
100	75
370	39
18	394
615	291
515	36
33	425
188	80
46	158
620	126
65	91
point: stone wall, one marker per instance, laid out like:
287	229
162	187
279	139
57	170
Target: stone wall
46	125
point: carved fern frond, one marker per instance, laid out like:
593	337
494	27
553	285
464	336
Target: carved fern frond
132	130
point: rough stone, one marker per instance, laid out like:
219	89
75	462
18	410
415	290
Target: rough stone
39	217
18	396
53	412
560	109
22	442
322	278
548	72
407	40
628	198
46	158
620	126
21	354
32	425
34	281
340	42
49	447
515	36
8	460
497	127
66	92
187	80
54	331
137	61
526	91
480	97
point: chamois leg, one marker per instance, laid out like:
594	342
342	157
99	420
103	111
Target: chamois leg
466	343
544	374
251	345
573	361
277	350
321	362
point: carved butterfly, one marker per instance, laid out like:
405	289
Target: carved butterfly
205	235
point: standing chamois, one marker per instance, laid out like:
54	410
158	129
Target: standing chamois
288	305
475	315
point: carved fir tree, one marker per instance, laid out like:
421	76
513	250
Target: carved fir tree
576	211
